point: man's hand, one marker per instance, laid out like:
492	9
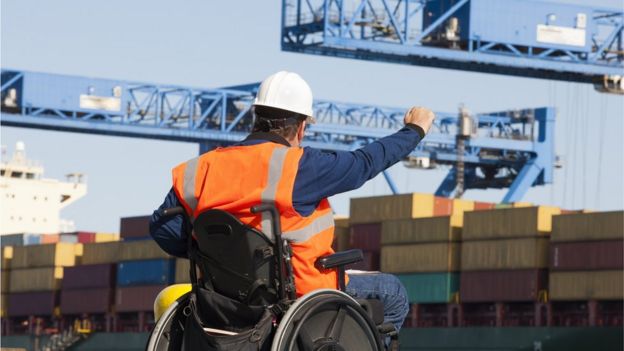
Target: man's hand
420	116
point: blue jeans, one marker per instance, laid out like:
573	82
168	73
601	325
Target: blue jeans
385	287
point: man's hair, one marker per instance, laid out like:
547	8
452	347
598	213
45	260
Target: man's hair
274	120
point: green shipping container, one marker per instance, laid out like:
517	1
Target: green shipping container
430	287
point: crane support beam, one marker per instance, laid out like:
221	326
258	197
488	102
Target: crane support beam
494	157
516	37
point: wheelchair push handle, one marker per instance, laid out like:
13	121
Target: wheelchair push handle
172	211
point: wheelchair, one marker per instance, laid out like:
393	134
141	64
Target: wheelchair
243	296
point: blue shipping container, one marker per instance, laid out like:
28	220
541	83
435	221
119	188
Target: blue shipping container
147	272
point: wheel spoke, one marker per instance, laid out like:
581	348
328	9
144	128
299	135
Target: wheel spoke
336	326
304	340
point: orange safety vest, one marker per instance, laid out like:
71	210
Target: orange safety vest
235	178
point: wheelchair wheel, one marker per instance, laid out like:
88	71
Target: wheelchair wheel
325	320
167	333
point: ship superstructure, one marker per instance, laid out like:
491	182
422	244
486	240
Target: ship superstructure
31	203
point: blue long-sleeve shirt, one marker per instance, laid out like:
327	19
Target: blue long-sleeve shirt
321	174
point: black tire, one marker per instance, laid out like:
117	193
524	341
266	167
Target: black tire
167	334
326	320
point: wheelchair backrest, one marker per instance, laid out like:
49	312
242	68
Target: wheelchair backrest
235	260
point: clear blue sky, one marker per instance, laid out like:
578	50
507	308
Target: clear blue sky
219	43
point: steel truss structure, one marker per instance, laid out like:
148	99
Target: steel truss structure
512	149
400	31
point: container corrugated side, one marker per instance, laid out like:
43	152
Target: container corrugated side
366	236
503	285
35	279
89	276
436	257
504	254
381	208
587	255
459	208
588	226
48	255
12	240
419	230
141	250
136	298
430	287
4	281
3	305
182	269
49	238
7	256
96	253
106	237
342	238
81	301
508	223
146	272
32	303
370	262
585	285
134	227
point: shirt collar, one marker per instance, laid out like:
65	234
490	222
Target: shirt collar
272	137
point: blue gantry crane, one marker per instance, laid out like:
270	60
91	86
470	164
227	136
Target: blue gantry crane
513	37
510	149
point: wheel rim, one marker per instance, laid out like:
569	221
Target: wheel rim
159	337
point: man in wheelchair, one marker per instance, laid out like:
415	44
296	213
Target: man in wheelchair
258	228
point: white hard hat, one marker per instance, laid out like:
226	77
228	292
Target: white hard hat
286	91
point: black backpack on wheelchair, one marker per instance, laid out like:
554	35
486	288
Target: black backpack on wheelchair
243	297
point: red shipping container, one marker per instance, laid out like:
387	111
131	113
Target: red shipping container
587	255
86	237
369	263
32	303
442	206
366	237
503	285
89	276
86	301
134	227
137	298
483	206
49	238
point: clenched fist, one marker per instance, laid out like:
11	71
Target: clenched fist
420	116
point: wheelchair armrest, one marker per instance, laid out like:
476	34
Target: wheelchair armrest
340	259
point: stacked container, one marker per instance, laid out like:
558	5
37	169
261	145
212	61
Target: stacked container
586	258
504	254
35	277
367	215
88	289
132	228
143	271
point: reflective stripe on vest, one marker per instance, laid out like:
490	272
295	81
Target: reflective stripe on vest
319	224
276	165
189	185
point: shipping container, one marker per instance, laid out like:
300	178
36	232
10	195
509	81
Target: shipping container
586	285
3	305
4	287
508	223
366	236
587	255
430	287
442	206
459	208
106	237
35	279
478	206
68	238
81	301
588	226
48	255
503	285
436	257
12	240
108	252
504	254
85	237
147	272
182	269
419	230
141	250
136	298
382	208
49	239
32	239
341	221
342	237
370	262
134	227
89	276
7	256
32	303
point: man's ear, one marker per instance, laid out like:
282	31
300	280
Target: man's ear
301	131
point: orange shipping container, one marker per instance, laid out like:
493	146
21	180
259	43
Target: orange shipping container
49	238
